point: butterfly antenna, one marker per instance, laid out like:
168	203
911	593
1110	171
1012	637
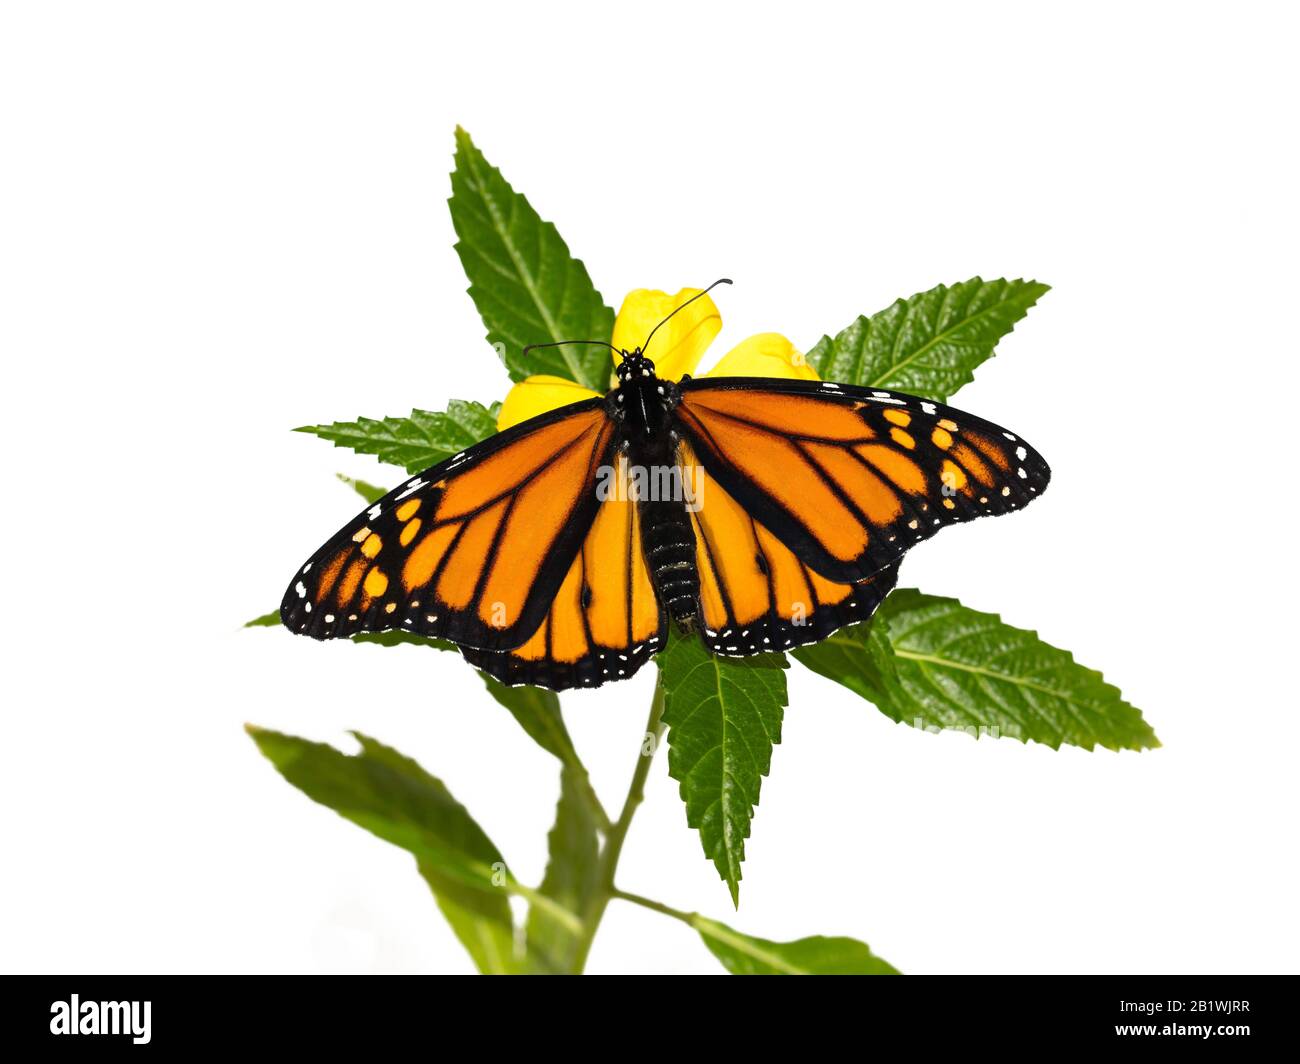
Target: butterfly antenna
698	295
562	343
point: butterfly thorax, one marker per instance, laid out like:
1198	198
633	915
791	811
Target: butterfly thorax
643	406
642	402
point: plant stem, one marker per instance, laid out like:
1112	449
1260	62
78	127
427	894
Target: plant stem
553	908
613	849
719	933
657	906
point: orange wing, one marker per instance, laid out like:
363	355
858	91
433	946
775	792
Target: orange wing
474	549
755	594
849	478
605	621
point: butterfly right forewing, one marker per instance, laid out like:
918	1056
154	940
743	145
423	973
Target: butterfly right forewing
850	478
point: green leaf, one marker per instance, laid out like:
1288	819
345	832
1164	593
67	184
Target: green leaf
930	344
572	873
477	923
746	955
954	667
723	717
526	285
538	712
860	657
417	442
394	798
267	620
369	492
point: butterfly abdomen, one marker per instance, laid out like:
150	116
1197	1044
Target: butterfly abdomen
669	545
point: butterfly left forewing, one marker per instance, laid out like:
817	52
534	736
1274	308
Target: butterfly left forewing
850	478
473	549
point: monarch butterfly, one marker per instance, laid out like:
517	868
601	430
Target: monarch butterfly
760	513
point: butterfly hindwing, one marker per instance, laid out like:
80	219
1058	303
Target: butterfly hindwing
605	621
849	478
474	549
755	594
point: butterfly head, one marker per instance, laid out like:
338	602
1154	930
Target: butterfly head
633	366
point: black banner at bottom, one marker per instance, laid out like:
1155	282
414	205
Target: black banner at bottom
148	1013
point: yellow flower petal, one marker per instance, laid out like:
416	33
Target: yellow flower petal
536	395
676	348
765	355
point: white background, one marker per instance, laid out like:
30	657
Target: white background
224	220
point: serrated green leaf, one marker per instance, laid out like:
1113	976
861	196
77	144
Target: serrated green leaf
957	668
417	442
572	871
747	955
369	492
526	285
723	717
930	344
392	797
860	657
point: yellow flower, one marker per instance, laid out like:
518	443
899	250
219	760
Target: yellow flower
676	350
